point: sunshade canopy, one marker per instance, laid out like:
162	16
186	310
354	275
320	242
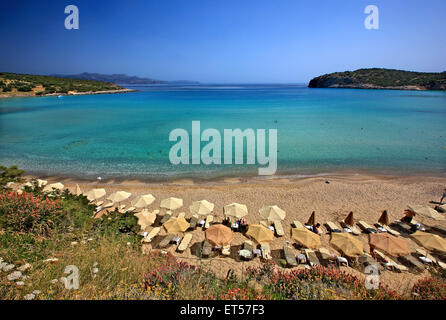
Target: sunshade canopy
426	212
171	203
346	243
143	201
235	210
390	244
272	213
430	241
312	220
119	196
219	235
94	194
260	234
176	225
145	218
305	237
384	219
50	187
349	219
201	207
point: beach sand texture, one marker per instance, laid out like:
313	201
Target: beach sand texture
365	195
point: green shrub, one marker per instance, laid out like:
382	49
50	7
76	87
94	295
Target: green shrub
11	174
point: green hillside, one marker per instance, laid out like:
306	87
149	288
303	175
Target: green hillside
376	78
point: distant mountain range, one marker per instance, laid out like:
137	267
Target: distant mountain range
120	78
376	78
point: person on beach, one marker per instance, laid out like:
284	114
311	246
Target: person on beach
316	228
443	196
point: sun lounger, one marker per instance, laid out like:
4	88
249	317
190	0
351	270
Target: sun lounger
424	253
130	209
176	240
353	229
332	227
289	256
265	223
390	263
185	242
266	251
193	222
152	234
226	250
181	214
165	218
108	205
166	241
412	262
365	227
311	257
100	203
326	256
342	261
439	229
206	250
390	230
366	260
297	224
248	246
279	228
402	227
209	220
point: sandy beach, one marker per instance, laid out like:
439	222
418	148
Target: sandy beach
365	195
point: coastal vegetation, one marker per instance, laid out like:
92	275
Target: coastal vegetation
43	232
14	84
376	78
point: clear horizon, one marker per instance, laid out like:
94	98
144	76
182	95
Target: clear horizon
263	42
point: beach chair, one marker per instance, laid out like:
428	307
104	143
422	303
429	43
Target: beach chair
152	234
108	205
341	261
265	223
365	227
279	229
130	209
266	251
326	257
166	217
390	230
100	203
366	260
402	227
206	249
332	227
355	231
390	263
410	261
248	246
166	241
193	222
181	214
209	220
297	224
311	257
440	229
422	254
289	256
226	250
185	242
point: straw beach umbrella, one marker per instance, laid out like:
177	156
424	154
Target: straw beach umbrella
235	210
388	243
384	219
312	220
430	241
119	196
350	246
78	190
349	219
426	212
57	186
176	225
260	234
95	194
145	218
219	235
143	201
305	237
201	207
171	203
272	213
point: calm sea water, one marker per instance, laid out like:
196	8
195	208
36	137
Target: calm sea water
319	130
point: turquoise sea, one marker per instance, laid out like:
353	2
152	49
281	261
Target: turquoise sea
319	130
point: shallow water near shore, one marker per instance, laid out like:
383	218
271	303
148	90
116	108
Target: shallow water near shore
319	130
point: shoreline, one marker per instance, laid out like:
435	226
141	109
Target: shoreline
26	95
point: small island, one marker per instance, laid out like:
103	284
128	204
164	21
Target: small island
19	85
377	78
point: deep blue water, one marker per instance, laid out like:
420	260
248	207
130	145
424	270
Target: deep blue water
319	130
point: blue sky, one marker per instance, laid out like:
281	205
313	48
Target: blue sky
239	41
